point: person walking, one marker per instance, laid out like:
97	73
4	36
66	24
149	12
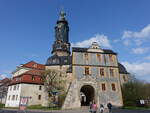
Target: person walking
109	105
101	108
90	106
94	107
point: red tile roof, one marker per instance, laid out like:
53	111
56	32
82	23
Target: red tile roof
34	65
28	76
5	80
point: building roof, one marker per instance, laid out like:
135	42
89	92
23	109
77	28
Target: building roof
4	81
33	72
27	77
122	69
33	65
58	60
78	49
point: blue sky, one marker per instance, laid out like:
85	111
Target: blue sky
27	30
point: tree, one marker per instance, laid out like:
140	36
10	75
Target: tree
54	82
135	90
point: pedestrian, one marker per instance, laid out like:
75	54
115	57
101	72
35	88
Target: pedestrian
109	105
101	108
90	106
94	107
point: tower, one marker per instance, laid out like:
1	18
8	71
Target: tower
61	46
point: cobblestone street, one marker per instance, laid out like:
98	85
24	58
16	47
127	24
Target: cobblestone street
76	111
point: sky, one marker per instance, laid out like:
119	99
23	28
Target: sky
27	30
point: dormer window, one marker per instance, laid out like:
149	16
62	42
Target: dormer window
35	65
95	45
99	57
111	57
54	60
33	78
86	56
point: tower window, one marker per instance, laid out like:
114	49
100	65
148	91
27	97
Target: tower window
103	87
87	71
113	87
39	97
111	72
124	78
102	71
40	87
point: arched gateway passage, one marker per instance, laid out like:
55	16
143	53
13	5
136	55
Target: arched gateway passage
86	95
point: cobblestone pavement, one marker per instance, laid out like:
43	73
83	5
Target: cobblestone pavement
76	111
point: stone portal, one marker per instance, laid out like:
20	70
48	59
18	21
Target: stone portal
86	95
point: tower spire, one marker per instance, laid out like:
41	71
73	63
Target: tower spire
62	15
61	46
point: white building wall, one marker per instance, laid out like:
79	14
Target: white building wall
27	90
32	90
20	71
13	96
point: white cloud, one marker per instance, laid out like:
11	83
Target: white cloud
137	37
126	42
139	69
116	41
145	32
147	58
2	76
140	50
102	40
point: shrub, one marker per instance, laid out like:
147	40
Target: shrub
2	105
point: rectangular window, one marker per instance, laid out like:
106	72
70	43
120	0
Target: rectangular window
39	97
18	87
102	71
103	87
16	97
99	57
40	87
87	71
9	97
86	56
13	97
15	87
10	88
111	72
113	87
